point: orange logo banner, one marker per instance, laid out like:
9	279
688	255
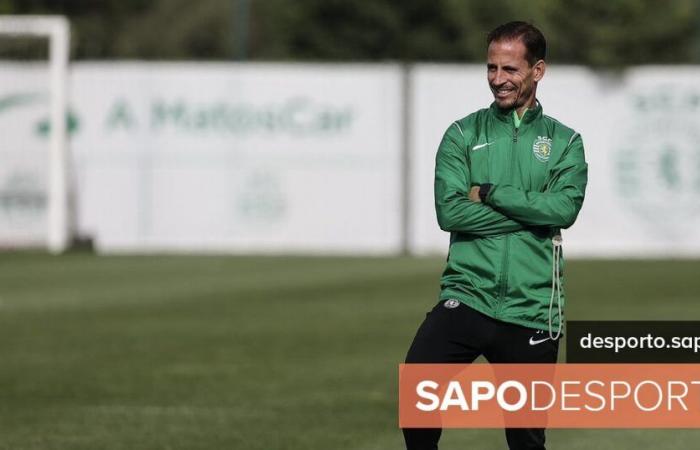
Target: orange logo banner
549	395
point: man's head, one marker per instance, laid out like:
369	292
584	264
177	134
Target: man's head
515	64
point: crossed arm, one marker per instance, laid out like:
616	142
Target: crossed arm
488	210
455	211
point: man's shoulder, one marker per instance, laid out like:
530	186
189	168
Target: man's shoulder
558	128
471	123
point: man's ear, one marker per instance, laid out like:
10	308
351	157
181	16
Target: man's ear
538	70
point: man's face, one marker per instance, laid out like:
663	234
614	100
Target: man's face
511	78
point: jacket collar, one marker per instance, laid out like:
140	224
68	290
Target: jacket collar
506	115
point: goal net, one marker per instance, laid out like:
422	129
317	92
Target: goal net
34	190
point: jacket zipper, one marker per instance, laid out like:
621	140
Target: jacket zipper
506	248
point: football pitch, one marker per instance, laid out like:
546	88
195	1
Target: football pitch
195	352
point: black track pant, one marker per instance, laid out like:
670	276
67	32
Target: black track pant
455	333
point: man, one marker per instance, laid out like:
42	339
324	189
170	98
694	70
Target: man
507	179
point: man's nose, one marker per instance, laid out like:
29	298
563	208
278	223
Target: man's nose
499	78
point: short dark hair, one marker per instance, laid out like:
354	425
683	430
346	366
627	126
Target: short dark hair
534	40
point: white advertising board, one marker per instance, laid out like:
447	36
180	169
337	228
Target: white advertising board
24	149
641	131
244	158
279	158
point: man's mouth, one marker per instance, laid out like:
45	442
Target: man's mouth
502	92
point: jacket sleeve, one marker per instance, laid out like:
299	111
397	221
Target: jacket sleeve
561	201
455	212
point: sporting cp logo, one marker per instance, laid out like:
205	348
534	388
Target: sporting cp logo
657	162
451	303
542	148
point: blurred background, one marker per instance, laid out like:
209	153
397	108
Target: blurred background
232	241
613	34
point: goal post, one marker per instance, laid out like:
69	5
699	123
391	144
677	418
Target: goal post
57	30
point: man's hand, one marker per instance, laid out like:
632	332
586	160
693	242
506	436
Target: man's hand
474	194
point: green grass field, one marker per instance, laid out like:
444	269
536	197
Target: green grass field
191	352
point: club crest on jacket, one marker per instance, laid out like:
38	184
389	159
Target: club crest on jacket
542	148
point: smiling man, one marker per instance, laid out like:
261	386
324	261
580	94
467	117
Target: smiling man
507	179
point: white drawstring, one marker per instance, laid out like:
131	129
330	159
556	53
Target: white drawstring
556	285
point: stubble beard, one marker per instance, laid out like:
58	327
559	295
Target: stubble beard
514	101
509	101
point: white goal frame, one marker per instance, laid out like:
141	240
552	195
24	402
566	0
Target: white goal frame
57	30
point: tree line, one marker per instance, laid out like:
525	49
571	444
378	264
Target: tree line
614	33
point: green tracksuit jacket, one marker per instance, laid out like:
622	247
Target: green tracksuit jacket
500	259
